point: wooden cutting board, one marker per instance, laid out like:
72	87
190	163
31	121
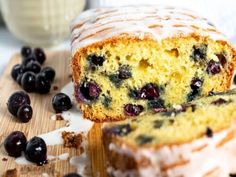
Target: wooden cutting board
41	123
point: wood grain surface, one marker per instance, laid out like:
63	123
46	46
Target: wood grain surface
41	123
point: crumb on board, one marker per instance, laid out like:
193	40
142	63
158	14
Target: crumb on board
4	159
57	117
55	88
72	140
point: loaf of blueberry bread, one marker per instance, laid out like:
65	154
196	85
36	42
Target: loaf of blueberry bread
130	61
197	139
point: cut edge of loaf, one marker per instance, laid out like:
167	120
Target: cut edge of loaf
99	116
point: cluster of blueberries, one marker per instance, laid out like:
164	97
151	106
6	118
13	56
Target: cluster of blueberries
32	78
29	74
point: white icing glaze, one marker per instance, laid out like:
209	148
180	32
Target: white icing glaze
75	122
157	22
22	160
199	163
83	164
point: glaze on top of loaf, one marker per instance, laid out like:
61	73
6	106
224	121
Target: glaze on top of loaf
155	22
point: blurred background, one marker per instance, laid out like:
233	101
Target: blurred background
45	23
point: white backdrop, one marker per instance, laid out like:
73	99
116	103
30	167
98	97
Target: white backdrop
222	13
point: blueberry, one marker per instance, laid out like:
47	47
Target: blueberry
192	95
16	70
28	81
26	51
149	92
88	91
36	151
114	78
158	124
133	110
72	175
49	73
213	67
124	72
157	105
199	52
234	79
15	143
33	66
209	132
144	139
106	101
96	60
24	113
61	102
16	100
120	130
28	60
135	94
42	84
39	55
196	84
219	101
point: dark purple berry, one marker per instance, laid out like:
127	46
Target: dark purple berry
15	143
49	73
33	66
219	101
199	53
24	113
209	132
196	84
96	60
144	139
61	102
150	92
26	51
36	151
120	130
88	91
39	55
213	67
124	72
134	94
16	100
16	70
133	110
28	81
42	84
72	175
28	60
235	79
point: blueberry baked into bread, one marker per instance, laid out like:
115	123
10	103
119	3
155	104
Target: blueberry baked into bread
197	139
130	61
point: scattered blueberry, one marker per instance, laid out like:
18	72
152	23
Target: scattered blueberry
33	66
120	130
219	101
235	79
134	94
88	91
36	151
96	60
16	100
26	51
213	67
133	110
49	73
42	84
157	105
149	91
114	78
144	139
15	143
192	95
196	84
124	72
39	55
24	113
16	70
72	175
158	123
61	102
18	79
28	81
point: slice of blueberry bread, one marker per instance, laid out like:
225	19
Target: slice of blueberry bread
133	60
197	139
